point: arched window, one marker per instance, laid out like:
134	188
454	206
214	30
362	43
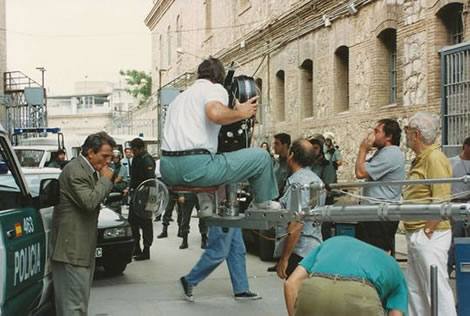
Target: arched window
342	79
178	32
386	79
208	16
160	49
306	88
451	18
280	87
169	45
261	106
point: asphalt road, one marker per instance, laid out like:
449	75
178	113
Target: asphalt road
151	287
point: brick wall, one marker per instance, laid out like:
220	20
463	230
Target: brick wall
252	34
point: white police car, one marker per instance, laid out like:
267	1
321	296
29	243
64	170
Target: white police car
25	222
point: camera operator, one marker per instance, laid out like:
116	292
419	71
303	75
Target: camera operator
189	158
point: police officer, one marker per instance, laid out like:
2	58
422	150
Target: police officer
143	168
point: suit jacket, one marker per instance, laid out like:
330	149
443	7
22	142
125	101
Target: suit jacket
75	217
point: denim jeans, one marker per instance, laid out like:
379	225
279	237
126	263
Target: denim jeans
222	246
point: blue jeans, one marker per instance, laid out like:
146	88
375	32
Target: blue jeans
252	164
222	246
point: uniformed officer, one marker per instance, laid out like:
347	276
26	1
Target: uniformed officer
143	168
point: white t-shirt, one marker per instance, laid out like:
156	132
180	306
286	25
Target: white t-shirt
186	124
460	168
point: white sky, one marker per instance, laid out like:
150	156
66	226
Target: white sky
77	38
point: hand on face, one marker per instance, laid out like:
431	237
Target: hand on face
368	141
106	172
100	159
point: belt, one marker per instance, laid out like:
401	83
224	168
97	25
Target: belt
199	151
337	277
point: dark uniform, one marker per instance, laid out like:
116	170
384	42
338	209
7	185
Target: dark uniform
143	168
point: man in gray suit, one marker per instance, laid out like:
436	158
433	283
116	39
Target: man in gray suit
84	184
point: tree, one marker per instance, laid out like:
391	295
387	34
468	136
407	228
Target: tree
140	84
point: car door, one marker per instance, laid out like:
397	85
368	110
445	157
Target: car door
22	240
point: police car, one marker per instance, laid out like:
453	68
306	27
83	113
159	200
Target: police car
115	244
25	221
38	147
27	198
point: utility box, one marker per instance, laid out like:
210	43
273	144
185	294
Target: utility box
462	276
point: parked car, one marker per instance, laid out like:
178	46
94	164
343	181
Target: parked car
115	244
25	223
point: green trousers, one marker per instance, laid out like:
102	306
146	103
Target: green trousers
252	164
319	296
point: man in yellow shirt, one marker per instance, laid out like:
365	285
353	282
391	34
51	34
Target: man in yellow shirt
428	241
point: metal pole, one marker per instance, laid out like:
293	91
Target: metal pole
434	296
464	179
388	212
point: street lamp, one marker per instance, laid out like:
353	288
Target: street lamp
42	70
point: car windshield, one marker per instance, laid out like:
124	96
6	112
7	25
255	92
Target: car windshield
29	157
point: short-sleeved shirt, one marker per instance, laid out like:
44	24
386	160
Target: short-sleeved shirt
186	123
431	163
332	156
387	163
281	171
311	233
460	168
348	257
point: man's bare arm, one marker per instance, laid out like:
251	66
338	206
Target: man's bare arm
294	230
222	115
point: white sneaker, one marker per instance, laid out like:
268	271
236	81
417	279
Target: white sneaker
206	204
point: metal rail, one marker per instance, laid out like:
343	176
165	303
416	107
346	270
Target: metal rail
265	219
317	186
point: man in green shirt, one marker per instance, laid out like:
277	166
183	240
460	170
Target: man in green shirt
428	241
345	276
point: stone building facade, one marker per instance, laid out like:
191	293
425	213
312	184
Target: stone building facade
322	66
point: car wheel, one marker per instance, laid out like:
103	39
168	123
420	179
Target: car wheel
114	268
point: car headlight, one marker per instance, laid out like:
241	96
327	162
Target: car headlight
117	232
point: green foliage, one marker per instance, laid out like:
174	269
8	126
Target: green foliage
140	84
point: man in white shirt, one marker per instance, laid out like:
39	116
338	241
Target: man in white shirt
461	191
189	157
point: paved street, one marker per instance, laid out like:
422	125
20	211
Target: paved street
150	287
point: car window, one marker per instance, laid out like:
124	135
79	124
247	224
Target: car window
10	191
29	157
34	181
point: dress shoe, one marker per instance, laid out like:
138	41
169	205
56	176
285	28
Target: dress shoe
184	243
145	255
164	233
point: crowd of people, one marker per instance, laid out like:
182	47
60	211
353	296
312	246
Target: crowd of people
323	274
